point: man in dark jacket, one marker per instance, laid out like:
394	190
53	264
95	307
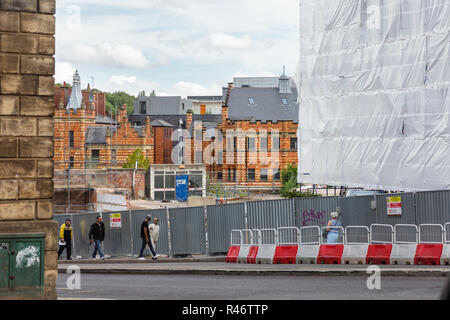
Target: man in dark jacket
97	235
145	235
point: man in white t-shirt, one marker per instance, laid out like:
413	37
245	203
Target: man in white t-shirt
154	232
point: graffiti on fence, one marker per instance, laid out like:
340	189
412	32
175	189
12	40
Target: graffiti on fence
311	217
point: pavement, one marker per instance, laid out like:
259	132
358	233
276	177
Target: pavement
205	265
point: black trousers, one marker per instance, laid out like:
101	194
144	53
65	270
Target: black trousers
68	248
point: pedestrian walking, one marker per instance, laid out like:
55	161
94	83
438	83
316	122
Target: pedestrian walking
65	239
333	231
97	236
145	235
154	232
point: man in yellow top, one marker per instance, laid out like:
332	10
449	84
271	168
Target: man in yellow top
65	239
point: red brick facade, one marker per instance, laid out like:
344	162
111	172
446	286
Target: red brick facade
70	141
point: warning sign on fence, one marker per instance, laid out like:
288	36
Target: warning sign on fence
115	220
394	206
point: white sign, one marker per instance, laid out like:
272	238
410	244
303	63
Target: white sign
115	220
394	206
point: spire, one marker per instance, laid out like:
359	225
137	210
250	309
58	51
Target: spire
76	97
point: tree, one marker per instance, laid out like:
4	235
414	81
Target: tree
117	100
290	185
138	156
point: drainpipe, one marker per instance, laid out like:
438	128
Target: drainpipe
134	180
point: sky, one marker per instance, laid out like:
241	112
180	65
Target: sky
175	47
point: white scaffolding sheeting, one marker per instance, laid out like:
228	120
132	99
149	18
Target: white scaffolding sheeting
374	82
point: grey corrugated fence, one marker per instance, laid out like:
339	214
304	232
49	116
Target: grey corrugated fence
221	219
199	230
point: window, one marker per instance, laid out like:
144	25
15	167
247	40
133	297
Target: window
72	162
143	107
113	156
95	155
251	101
263	175
251	143
251	175
293	143
195	180
276	175
275	143
71	139
263	143
285	101
219	175
234	175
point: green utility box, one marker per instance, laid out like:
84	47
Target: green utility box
22	265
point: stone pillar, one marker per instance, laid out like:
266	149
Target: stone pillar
27	47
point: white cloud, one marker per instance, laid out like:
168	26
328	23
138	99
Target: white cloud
184	89
64	71
203	38
222	40
129	84
109	55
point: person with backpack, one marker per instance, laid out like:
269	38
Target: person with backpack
97	236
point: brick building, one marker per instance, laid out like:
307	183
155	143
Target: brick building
86	137
253	139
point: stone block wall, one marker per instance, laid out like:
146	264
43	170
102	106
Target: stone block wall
27	66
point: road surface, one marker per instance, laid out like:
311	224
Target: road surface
216	287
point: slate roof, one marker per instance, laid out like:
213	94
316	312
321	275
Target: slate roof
159	105
160	123
268	105
97	135
104	119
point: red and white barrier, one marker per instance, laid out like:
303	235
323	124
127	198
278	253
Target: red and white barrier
429	250
391	246
445	257
251	258
404	251
355	247
266	250
381	241
308	249
287	246
235	248
246	244
331	253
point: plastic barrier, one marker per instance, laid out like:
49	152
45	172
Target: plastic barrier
429	251
233	251
445	257
331	253
246	244
287	247
266	250
308	249
380	246
356	247
285	255
251	258
404	251
253	252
